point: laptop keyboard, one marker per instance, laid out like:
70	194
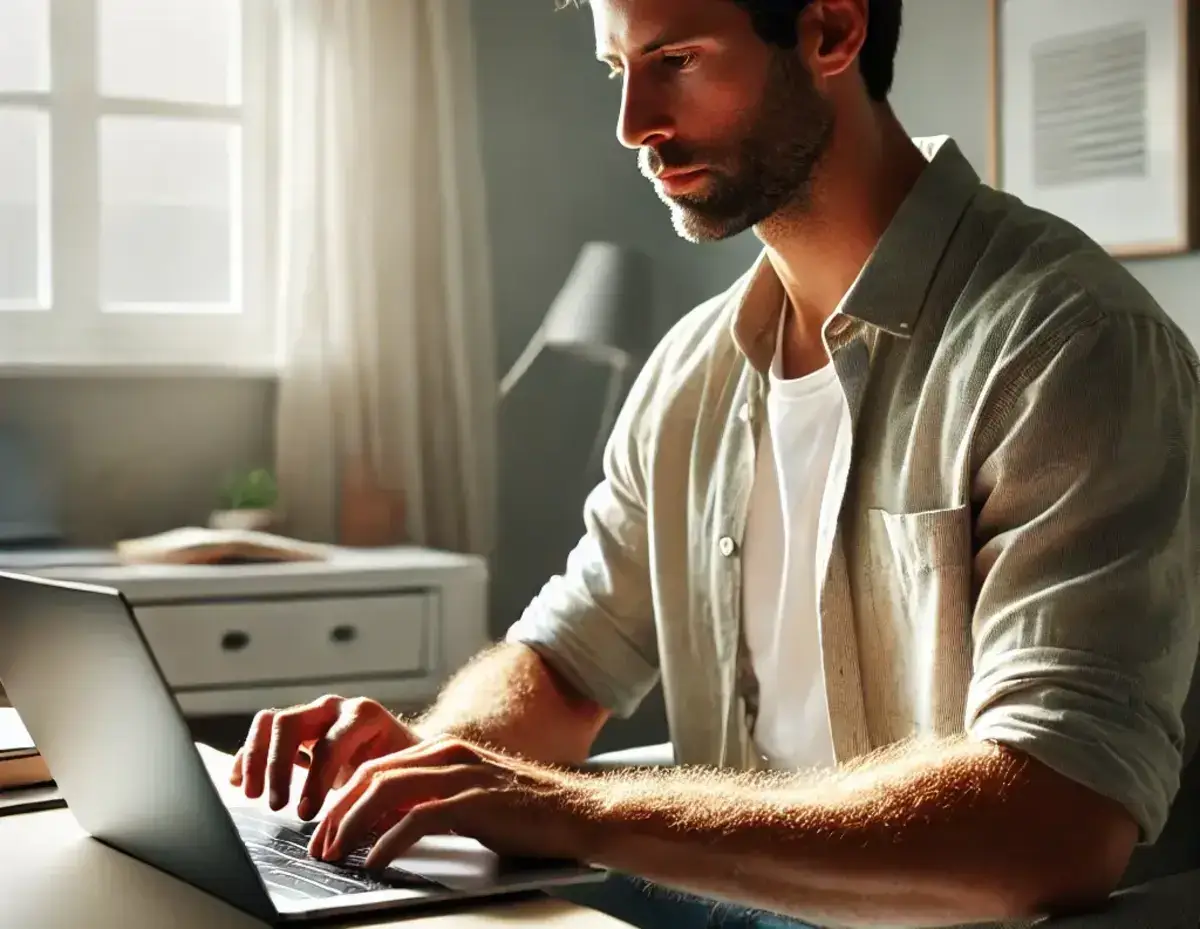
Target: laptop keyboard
280	853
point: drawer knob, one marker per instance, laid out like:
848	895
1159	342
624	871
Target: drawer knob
234	641
343	634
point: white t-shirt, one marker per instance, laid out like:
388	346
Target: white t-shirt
781	555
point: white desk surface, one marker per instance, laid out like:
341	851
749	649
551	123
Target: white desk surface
55	876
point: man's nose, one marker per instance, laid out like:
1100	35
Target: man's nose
644	120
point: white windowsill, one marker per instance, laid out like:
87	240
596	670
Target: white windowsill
81	343
121	370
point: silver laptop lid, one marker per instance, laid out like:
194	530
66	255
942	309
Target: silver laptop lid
74	663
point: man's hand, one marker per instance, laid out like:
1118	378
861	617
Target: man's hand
332	737
512	806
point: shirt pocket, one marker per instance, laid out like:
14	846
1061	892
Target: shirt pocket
922	594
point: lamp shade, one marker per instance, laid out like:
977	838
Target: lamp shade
603	310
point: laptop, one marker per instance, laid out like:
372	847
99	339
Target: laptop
75	664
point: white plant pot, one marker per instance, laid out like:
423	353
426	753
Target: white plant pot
253	520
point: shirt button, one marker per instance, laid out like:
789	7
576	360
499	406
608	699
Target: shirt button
727	546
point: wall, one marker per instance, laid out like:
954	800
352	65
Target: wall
557	178
133	455
138	455
943	89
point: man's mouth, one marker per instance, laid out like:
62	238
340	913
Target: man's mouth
677	181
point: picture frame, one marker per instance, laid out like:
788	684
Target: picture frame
1095	117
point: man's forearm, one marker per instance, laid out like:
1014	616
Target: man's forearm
509	698
952	833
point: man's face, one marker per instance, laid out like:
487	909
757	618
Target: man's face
729	128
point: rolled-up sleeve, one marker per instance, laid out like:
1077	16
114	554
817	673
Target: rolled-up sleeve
594	622
1085	629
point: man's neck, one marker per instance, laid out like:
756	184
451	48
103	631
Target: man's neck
869	169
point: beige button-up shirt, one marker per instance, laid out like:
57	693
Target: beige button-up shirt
1010	548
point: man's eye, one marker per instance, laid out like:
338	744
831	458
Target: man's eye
678	61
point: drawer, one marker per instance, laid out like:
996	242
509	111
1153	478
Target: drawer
272	641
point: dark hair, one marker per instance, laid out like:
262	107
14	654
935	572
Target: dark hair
775	22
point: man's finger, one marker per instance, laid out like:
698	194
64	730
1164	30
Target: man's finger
433	754
254	753
439	753
235	772
289	730
365	753
350	823
354	788
353	828
330	754
436	818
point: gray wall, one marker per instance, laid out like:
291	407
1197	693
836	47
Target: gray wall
942	89
135	455
557	178
138	455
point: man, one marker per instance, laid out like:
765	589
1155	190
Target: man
904	521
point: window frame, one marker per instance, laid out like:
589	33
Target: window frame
75	331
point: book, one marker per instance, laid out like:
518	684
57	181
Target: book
204	546
21	764
31	799
23	771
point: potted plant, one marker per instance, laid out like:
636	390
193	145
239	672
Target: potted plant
248	501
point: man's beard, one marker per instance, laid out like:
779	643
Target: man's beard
770	168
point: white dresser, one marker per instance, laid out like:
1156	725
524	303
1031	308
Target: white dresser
392	624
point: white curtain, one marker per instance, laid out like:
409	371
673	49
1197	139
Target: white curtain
382	271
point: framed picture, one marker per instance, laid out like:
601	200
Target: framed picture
1094	117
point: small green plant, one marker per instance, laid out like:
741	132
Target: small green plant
253	490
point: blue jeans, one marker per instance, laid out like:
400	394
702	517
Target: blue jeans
648	906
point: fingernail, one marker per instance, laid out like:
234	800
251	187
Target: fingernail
305	809
276	800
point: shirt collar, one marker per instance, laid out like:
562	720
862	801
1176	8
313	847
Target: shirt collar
890	291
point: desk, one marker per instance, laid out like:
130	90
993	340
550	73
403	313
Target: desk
54	876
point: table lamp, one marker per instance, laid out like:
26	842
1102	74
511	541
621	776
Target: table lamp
602	314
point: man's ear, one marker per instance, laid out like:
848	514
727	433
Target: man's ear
832	33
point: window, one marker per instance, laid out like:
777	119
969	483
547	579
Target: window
131	184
